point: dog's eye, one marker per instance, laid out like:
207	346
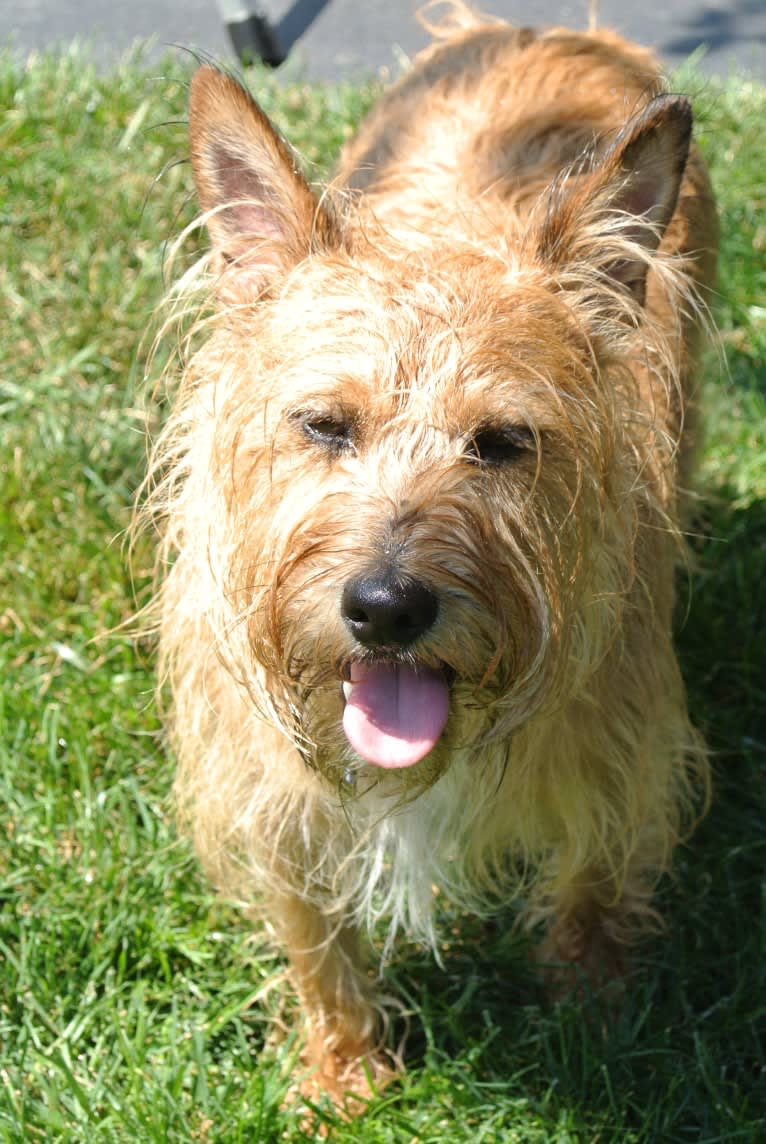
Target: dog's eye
334	434
497	445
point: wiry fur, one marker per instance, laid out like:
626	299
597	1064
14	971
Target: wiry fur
505	242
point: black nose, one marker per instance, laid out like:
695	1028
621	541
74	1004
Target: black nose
388	612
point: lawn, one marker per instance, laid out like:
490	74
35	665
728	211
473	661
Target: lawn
133	1005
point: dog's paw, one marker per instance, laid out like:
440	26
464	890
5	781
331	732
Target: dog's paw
593	966
350	1083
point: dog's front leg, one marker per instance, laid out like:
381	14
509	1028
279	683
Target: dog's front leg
593	923
344	1023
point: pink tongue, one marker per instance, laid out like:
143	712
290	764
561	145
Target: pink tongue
394	714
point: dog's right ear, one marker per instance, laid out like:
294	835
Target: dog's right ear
261	213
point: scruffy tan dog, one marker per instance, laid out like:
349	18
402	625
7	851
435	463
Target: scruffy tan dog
420	504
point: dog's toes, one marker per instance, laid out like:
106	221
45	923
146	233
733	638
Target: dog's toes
350	1083
595	970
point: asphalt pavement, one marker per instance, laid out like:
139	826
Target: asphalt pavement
327	39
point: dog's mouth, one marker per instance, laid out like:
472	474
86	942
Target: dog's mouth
395	713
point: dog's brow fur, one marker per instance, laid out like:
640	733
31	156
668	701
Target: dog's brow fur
468	366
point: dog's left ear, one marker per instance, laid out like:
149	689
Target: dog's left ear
616	215
261	214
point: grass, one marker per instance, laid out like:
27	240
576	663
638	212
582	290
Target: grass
126	989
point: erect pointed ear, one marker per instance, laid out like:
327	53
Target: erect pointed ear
616	215
261	213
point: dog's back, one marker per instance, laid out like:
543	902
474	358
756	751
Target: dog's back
500	109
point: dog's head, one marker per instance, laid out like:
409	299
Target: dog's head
428	454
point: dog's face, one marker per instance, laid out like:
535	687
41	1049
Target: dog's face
400	489
413	450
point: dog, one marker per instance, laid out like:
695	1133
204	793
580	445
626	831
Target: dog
421	498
